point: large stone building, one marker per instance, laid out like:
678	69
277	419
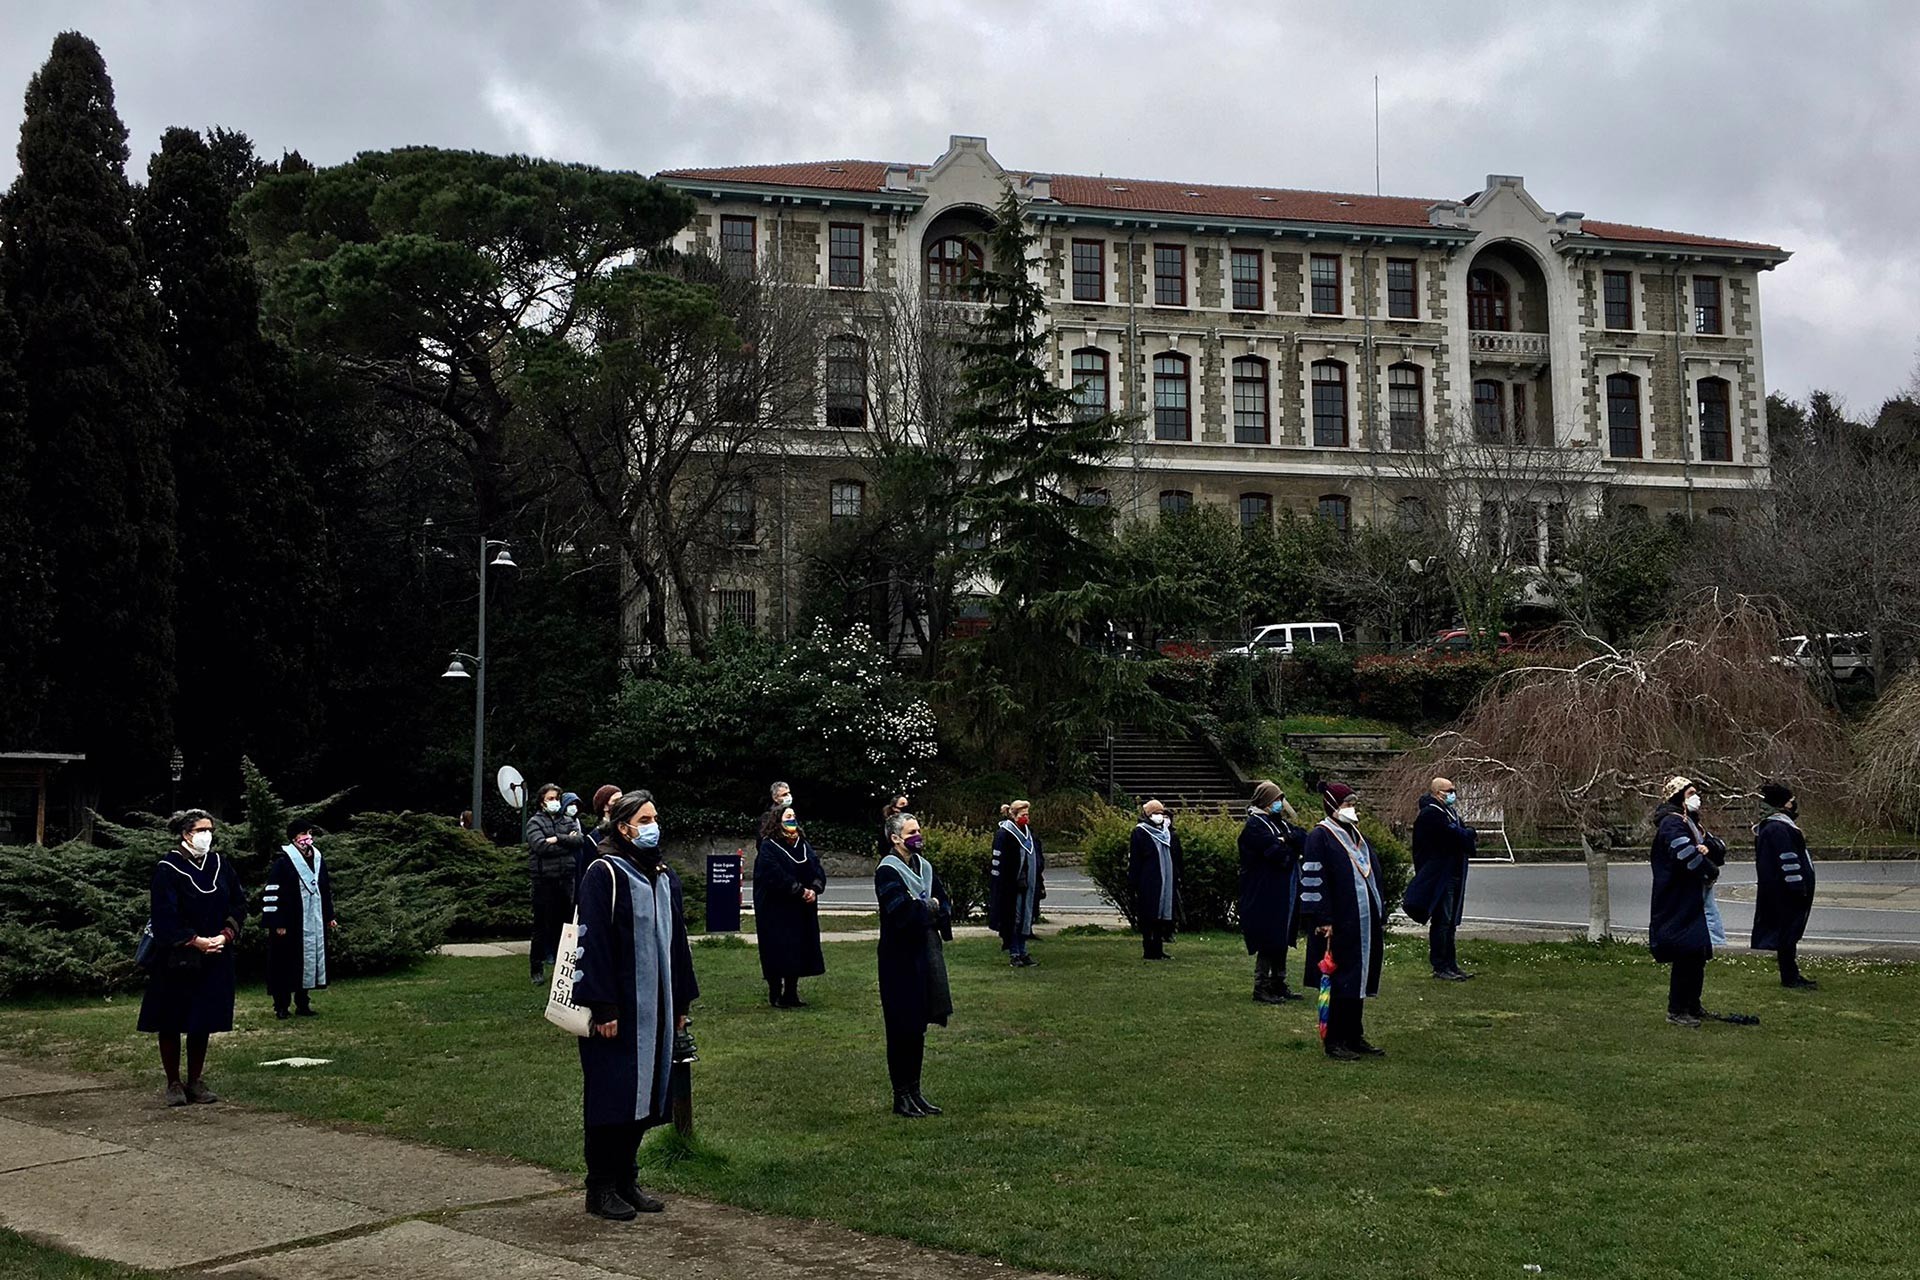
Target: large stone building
1280	347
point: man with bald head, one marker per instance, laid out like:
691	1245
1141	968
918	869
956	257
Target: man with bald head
1437	896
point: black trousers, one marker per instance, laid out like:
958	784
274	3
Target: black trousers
1444	928
612	1151
1154	935
1346	1021
1685	983
1271	966
298	998
1790	962
552	908
906	1052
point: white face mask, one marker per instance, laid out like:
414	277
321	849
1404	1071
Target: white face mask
1693	804
573	810
1159	819
201	841
553	806
1347	813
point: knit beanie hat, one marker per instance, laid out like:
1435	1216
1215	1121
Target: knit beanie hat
1334	794
1676	787
1264	794
1777	794
603	795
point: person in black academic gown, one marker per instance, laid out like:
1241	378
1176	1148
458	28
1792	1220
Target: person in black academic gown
296	909
1153	875
1784	869
915	915
1443	846
1270	848
635	975
197	907
1341	902
1016	882
787	883
1686	862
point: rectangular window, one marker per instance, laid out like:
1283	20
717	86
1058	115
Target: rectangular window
1090	396
1406	409
1169	275
1326	284
1336	510
737	250
1706	304
1330	404
1489	410
846	255
846	500
1250	401
1403	292
1523	527
736	607
1618	288
1089	271
1519	413
1256	510
1248	293
736	517
846	384
1623	415
1172	405
1716	421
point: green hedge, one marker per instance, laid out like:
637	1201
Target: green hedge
961	857
1210	876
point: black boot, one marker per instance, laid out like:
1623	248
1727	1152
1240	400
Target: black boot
773	994
919	1100
1340	1053
790	997
1286	992
630	1192
604	1202
1263	992
904	1106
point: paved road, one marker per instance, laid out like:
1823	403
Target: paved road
1857	902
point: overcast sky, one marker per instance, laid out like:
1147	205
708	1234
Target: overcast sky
1790	123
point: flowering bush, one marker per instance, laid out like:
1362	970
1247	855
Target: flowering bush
862	730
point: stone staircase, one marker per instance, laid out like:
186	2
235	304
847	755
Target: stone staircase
1177	768
1357	759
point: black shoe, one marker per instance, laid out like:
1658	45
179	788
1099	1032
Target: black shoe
1684	1020
605	1202
540	980
1264	993
1461	975
1024	962
640	1200
1340	1053
904	1106
1801	984
1363	1045
176	1095
1288	993
920	1100
306	1011
281	1014
197	1091
792	1002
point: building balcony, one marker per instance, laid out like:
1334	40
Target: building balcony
1521	348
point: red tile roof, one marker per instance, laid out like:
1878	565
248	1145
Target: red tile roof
1192	199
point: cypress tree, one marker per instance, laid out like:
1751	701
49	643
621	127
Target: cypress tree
252	583
98	416
24	605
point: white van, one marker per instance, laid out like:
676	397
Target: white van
1285	637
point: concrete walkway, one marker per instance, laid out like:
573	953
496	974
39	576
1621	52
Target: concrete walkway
228	1191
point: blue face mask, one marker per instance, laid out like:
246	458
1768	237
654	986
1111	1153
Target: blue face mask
647	835
1453	798
1277	808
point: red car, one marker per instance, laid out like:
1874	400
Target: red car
1460	641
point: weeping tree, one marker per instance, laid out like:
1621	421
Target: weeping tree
1889	749
1590	743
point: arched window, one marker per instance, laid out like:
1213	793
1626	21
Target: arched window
1256	510
1489	409
1175	502
1172	401
1716	420
1090	387
846	384
1623	415
1336	510
1487	303
1250	401
1406	407
1329	404
951	264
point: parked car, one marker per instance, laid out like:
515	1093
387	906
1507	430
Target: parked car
1285	637
1849	654
1460	640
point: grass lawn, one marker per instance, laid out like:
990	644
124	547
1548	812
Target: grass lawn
1114	1118
21	1259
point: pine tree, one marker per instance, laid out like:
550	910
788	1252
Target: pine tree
254	574
1029	686
23	581
98	417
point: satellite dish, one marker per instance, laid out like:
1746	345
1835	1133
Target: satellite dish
513	787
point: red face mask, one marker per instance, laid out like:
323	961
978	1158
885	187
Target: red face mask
1020	821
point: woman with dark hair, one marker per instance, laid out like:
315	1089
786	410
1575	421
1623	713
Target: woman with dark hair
915	914
1016	882
887	811
197	905
1340	901
1686	862
553	841
596	842
1153	874
787	883
296	909
636	978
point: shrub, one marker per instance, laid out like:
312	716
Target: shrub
1318	678
961	856
1423	689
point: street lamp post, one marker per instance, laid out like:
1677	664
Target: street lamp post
479	674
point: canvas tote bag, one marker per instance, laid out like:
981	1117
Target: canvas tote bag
562	1012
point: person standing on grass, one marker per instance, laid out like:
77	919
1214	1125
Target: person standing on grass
636	978
1437	895
898	804
1270	845
197	907
1686	862
787	883
596	842
1341	902
553	842
1153	873
915	915
296	909
1784	869
1016	882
